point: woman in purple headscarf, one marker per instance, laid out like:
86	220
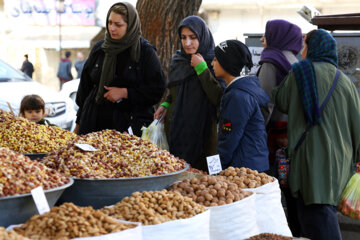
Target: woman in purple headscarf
282	42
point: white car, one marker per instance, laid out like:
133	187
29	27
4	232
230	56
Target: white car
14	85
70	89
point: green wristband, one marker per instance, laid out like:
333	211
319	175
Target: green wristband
200	68
166	105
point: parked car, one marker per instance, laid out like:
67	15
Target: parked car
70	89
14	85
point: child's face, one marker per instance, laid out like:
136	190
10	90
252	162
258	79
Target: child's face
34	115
218	70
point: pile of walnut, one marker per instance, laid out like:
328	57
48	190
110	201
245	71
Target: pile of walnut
10	235
19	174
70	221
154	207
210	190
117	155
245	177
22	136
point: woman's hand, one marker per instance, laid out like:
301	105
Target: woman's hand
196	59
160	112
114	93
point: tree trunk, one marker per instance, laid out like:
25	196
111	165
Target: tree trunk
159	24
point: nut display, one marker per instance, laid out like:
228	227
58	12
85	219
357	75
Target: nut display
70	221
269	236
154	207
19	174
10	235
210	190
22	136
117	155
245	177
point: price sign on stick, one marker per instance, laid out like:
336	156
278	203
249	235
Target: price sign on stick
85	147
214	164
130	131
40	200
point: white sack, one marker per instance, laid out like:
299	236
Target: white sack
270	215
194	228
234	221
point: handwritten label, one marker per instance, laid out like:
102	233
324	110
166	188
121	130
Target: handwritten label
214	164
40	200
130	131
85	147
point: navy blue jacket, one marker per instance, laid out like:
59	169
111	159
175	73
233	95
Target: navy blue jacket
242	135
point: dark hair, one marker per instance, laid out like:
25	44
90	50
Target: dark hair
26	56
67	54
120	9
309	35
31	102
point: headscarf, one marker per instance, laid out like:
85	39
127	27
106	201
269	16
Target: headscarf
321	48
193	113
280	35
112	47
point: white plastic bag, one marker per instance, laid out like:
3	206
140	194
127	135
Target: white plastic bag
234	221
194	228
155	133
270	215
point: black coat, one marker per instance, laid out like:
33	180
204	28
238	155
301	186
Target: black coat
144	80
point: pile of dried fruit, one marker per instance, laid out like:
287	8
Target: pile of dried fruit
22	136
245	177
117	155
269	236
10	235
19	174
210	190
154	207
70	221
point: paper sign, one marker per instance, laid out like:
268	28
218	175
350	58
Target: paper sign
130	131
214	164
40	200
85	147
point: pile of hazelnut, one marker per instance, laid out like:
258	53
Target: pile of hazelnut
154	207
246	177
22	136
117	155
70	221
210	190
19	174
269	236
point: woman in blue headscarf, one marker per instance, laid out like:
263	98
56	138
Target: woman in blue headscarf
325	161
190	109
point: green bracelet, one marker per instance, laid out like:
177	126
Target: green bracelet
200	68
166	105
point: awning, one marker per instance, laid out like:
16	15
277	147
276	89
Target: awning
51	36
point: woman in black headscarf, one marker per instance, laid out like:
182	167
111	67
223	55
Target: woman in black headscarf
191	108
122	79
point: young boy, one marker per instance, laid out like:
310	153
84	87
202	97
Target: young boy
33	109
242	136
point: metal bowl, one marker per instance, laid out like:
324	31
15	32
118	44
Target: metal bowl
104	192
34	156
19	208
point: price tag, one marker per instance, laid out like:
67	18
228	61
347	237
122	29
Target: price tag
130	131
214	164
85	147
40	200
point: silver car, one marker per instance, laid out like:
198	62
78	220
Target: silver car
14	85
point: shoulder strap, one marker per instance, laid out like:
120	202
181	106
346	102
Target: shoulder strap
302	137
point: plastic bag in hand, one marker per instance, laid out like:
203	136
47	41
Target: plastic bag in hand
349	203
155	133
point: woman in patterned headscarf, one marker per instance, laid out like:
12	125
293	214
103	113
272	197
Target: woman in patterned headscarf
324	162
122	78
190	110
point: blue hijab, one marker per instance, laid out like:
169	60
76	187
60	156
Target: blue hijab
321	48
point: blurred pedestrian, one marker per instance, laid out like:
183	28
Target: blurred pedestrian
27	67
242	133
79	64
191	108
64	70
122	78
323	143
